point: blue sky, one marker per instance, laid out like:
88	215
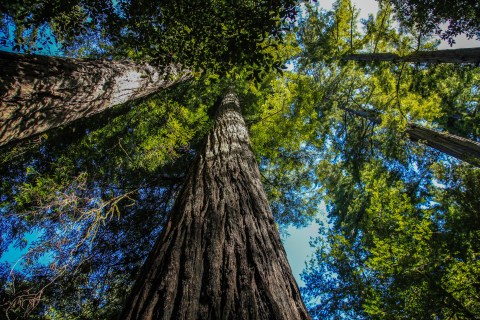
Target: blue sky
298	248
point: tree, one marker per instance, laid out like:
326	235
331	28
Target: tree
99	182
390	252
455	146
160	34
39	93
220	254
468	55
103	267
389	249
387	90
220	35
119	175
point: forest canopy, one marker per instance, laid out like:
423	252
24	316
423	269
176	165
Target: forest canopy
392	148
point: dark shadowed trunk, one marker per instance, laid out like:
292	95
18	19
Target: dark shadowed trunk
455	146
220	255
38	93
468	55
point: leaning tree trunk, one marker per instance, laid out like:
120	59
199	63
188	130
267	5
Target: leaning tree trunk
458	147
468	55
38	93
219	255
455	146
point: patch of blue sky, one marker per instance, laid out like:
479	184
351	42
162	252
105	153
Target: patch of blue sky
15	254
45	42
7	34
118	7
296	242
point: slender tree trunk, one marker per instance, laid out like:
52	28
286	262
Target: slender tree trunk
219	255
455	146
38	93
468	55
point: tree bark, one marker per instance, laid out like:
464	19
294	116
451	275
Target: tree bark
219	255
461	148
455	146
468	55
38	93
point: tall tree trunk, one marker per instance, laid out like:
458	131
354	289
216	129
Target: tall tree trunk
455	146
219	255
38	93
468	55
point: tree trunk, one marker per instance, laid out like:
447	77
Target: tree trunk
468	55
219	255
38	93
455	146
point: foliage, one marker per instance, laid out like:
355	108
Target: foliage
37	25
428	16
278	135
388	249
200	34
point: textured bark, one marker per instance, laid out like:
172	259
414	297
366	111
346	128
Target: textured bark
455	146
219	255
468	55
38	93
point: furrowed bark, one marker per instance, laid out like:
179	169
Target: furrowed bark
455	146
468	55
38	93
219	255
461	148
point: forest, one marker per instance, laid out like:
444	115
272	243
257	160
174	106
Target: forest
154	154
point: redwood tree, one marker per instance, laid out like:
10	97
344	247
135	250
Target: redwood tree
464	55
219	256
461	148
38	93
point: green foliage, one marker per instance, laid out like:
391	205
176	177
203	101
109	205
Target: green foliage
388	251
404	261
328	35
204	34
279	132
461	17
457	87
199	34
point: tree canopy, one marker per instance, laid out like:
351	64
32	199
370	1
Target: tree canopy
431	16
201	34
389	248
